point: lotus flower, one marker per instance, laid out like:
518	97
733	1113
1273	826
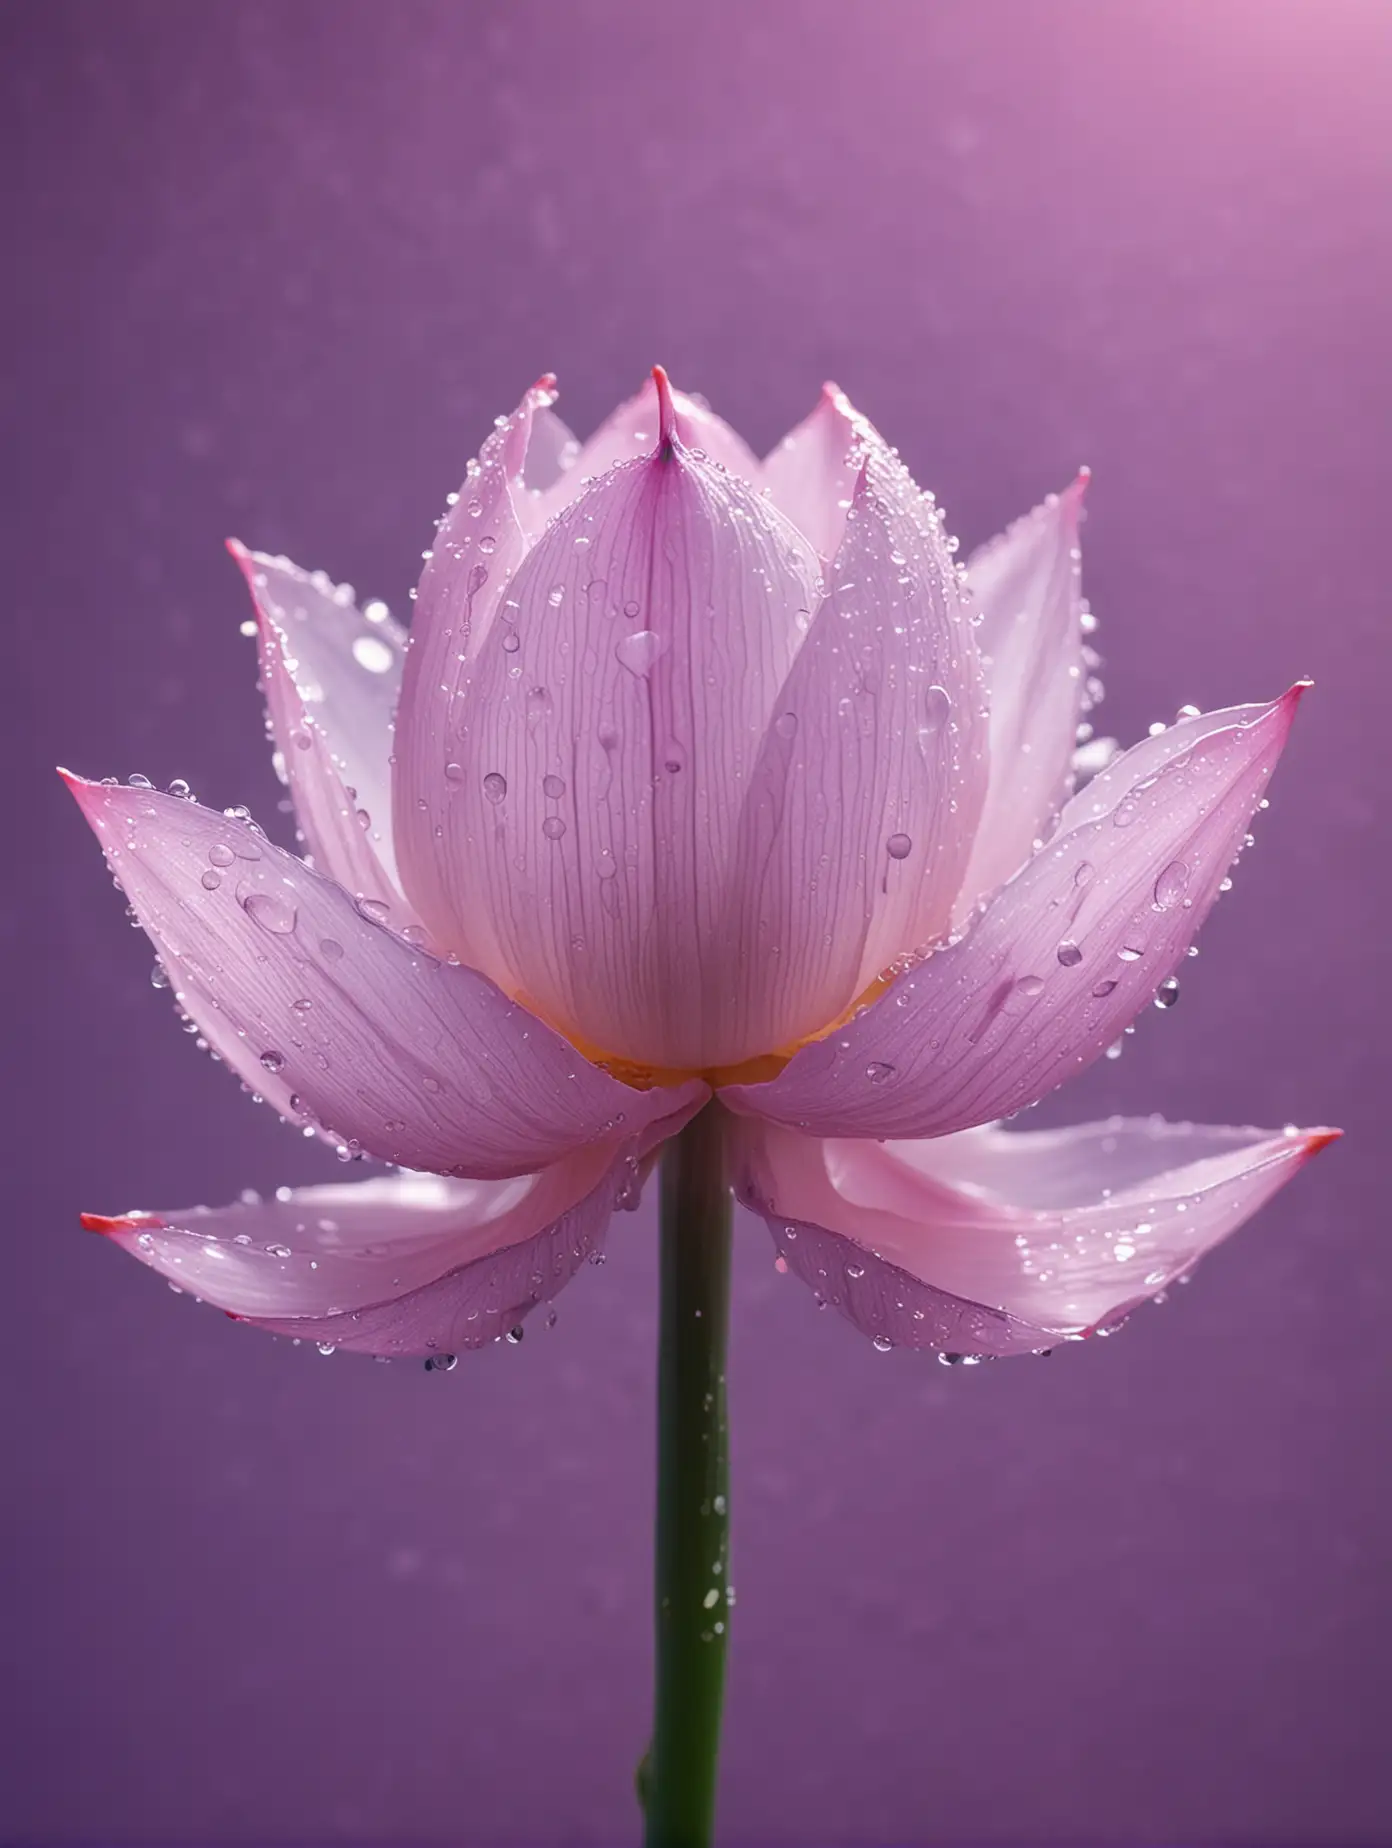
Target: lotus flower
699	775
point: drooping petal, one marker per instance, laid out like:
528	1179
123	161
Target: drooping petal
812	474
995	1241
1062	958
858	822
332	677
1028	587
610	727
631	432
481	541
401	1264
338	1022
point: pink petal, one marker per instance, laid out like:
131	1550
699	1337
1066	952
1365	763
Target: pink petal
332	678
858	822
608	732
1061	960
552	451
337	1022
402	1264
631	431
812	474
995	1241
481	541
1027	584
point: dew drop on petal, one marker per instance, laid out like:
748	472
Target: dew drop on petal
1103	989
1168	992
553	827
899	846
211	881
937	708
553	786
1171	886
273	1061
877	1071
330	950
271	912
1069	954
495	786
638	652
454	773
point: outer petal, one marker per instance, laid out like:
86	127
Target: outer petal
402	1264
481	541
859	818
332	677
1028	586
1061	960
996	1242
338	1022
609	731
811	475
632	431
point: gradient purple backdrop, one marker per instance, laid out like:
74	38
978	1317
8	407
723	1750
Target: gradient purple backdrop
275	267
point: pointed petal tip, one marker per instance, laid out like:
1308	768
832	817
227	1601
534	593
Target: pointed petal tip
1317	1139
666	409
122	1222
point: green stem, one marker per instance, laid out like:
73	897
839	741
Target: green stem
677	1779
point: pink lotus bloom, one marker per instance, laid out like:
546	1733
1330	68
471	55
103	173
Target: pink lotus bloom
699	774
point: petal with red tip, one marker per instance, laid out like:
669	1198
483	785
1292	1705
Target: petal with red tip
1028	587
995	1242
481	541
812	474
401	1264
607	734
338	1022
858	821
632	431
1062	958
332	677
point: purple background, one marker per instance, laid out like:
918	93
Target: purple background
273	269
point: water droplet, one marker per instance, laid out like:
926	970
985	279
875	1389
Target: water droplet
553	827
556	596
639	651
1125	812
514	1335
180	788
221	854
877	1071
1103	989
512	641
855	1272
371	652
1129	953
1115	1050
1085	873
158	977
786	724
442	1363
270	911
1030	985
326	1347
375	910
495	786
937	708
488	545
1069	954
899	846
454	773
273	1061
630	608
1171	886
211	881
881	1344
553	786
277	1251
1168	992
330	951
139	782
